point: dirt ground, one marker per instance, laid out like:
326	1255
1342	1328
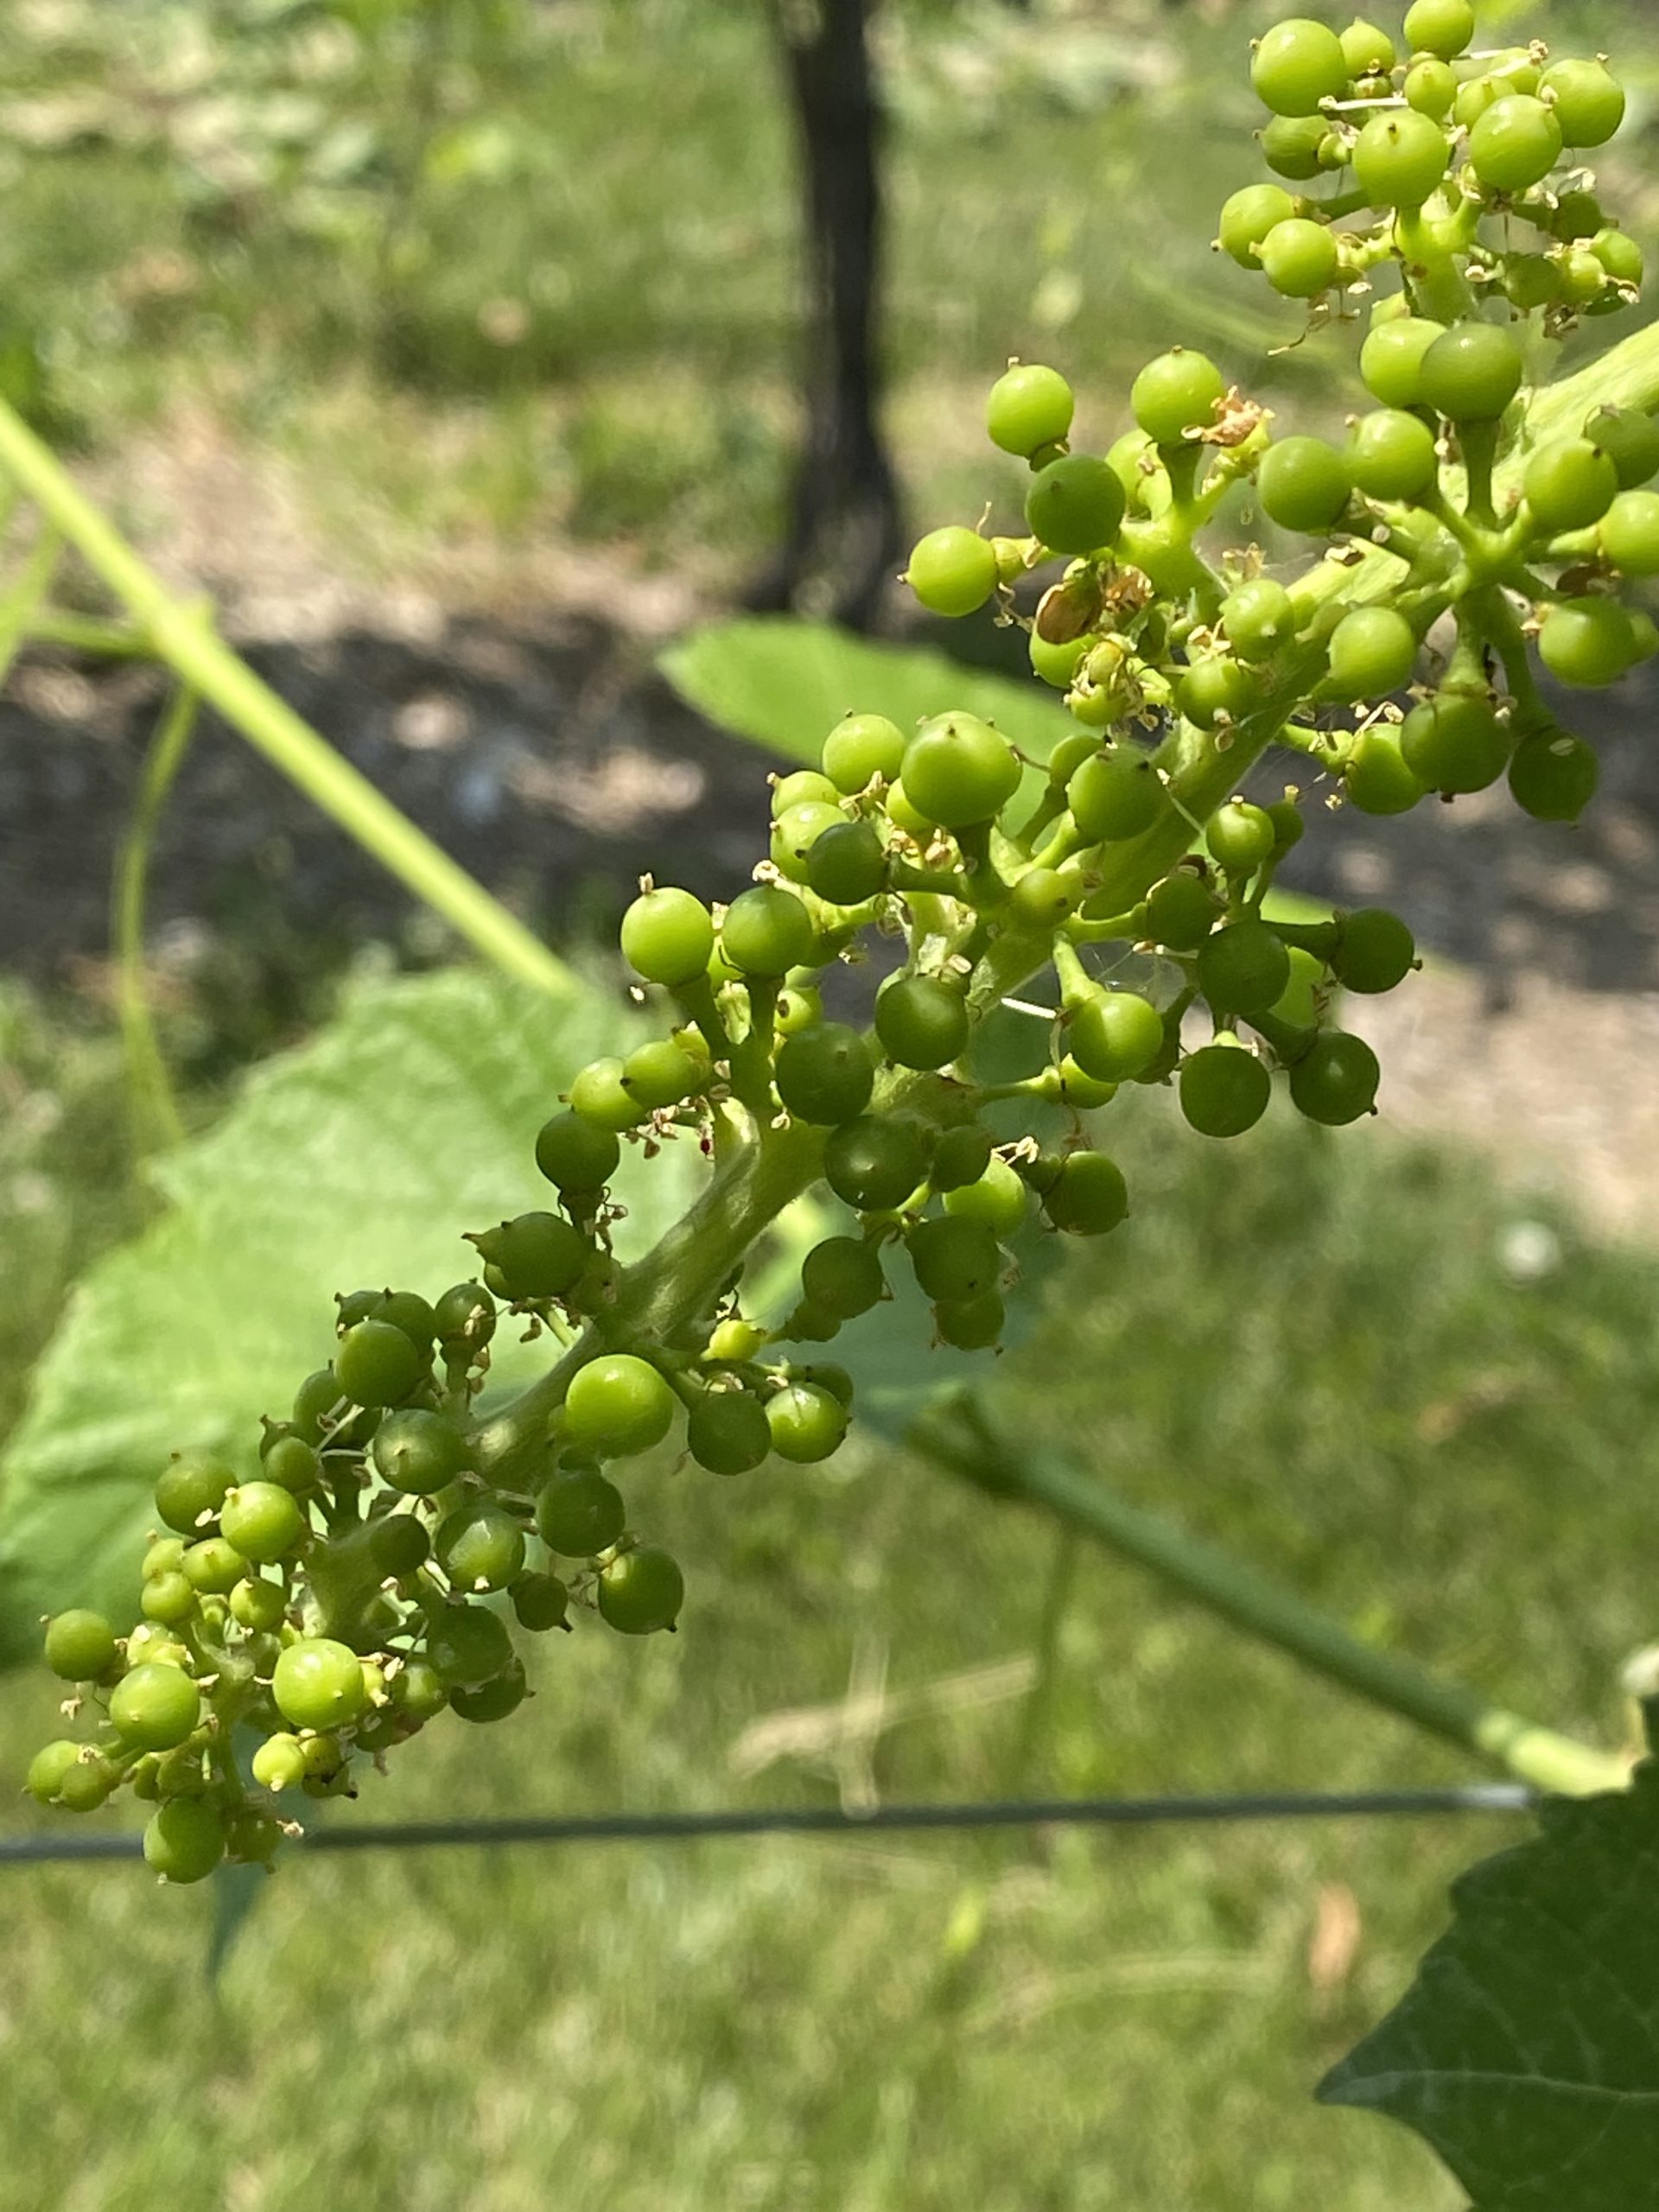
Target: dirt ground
513	709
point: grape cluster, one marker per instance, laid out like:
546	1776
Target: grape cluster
361	1584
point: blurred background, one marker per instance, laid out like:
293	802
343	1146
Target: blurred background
470	354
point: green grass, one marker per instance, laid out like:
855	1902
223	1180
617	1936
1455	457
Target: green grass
1312	1349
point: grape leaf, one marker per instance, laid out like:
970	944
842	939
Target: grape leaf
786	683
1527	2050
357	1159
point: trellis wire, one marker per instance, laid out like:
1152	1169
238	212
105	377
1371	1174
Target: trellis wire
825	1820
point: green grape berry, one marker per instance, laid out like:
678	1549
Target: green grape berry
806	1422
860	747
1442	28
1224	1089
1181	911
261	1606
1243	968
843	1276
1455	742
49	1767
1215	691
667	937
962	1156
154	1706
1116	794
279	1763
618	1405
1585	641
1075	505
661	1074
263	1521
1258	617
1367	51
1296	65
1241	836
1630	440
292	1464
997	1197
169	1598
1400	159
767	932
958	770
1177	393
376	1364
480	1546
184	1840
955	1257
847	863
1391	359
921	1022
727	1432
1299	258
540	1602
1552	776
1471	373
599	1096
1629	533
1376	777
953	571
824	1074
1335	1081
191	1488
1569	486
1391	454
1430	87
1373	651
80	1645
1514	143
465	1645
1375	952
974	1324
418	1452
1029	407
1587	100
1304	485
1089	1198
640	1592
1248	216
574	1156
318	1683
213	1567
495	1699
1114	1035
1294	146
796	831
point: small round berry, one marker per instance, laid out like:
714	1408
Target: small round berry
767	932
1181	911
958	770
1299	258
1430	87
1239	837
154	1706
1391	454
1258	617
1029	407
480	1546
1114	1035
1367	51
418	1452
1400	159
1224	1089
1629	533
1442	28
1587	642
807	1422
618	1405
261	1606
1304	485
1177	392
1620	255
824	1073
536	1254
1454	742
1243	968
1116	794
658	1075
975	1324
1569	486
667	937
641	1592
1335	1081
318	1683
214	1565
1296	65
581	1513
279	1763
955	1257
292	1464
1216	690
1514	143
1294	146
191	1488
1391	359
796	831
1630	440
169	1598
1248	216
843	1276
263	1520
997	1198
953	571
184	1840
1376	777
873	1163
847	863
921	1022
1089	1198
1471	373
1586	98
574	1156
495	1699
540	1602
80	1645
1553	776
1373	652
1376	951
862	748
48	1767
1075	505
465	1645
376	1364
727	1432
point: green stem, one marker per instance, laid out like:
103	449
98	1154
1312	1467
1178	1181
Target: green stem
1261	1607
204	662
155	1122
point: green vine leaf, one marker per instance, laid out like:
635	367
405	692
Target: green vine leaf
357	1160
1527	2050
783	684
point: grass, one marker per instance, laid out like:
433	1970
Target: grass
1358	1379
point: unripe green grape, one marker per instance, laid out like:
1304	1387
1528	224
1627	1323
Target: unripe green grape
318	1683
1391	454
418	1452
1299	258
1292	146
807	1422
1375	952
1304	484
169	1598
1454	742
213	1567
1373	652
1367	51
279	1763
618	1405
801	787
847	863
796	831
1084	1093
574	1156
1029	407
1532	280
162	1555
1584	278
1042	899
1569	486
860	747
1471	373
875	1163
80	1645
843	1276
1430	88
184	1840
1239	837
727	1431
1116	794
536	1254
824	1074
480	1546
953	571
641	1593
1588	101
921	1022
1335	1081
1516	142
956	1257
354	1305
292	1464
465	1645
972	1325
1376	777
1258	617
1243	968
1057	665
376	1364
1296	65
495	1699
1391	359
48	1767
767	932
150	1643
1176	392
407	1310
902	815
190	1488
1181	911
667	937
1216	690
1630	440
1586	642
962	1156
1069	754
1577	214
958	770
154	1706
996	1199
1629	533
656	1076
1400	159
263	1521
252	1839
540	1602
1443	27
1075	505
1553	776
799	1007
1619	255
1114	1034
261	1606
1089	1198
1224	1089
315	1404
1248	216
1298	1004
